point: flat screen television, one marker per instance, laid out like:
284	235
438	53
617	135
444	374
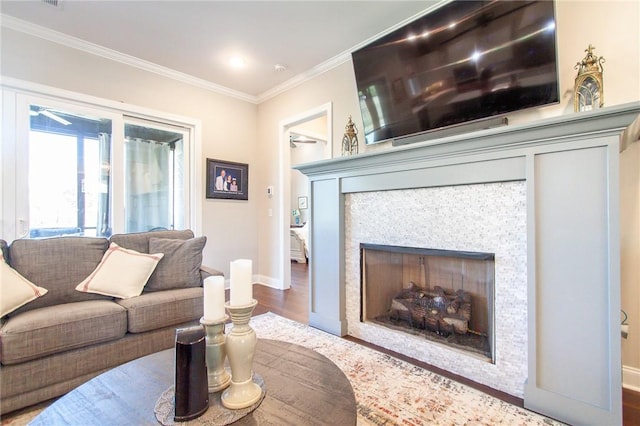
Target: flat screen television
463	62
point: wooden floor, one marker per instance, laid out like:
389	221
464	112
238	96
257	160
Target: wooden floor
630	407
294	304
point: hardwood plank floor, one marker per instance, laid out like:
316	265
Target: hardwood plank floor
294	304
630	407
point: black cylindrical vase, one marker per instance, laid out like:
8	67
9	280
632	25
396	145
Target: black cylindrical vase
191	387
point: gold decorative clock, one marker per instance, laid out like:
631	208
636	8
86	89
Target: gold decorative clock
588	91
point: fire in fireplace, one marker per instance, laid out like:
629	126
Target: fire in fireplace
443	296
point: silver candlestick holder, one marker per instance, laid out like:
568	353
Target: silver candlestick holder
217	375
241	345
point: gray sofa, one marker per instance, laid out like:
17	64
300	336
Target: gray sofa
64	338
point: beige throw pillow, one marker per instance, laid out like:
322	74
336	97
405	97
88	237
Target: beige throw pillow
121	273
15	290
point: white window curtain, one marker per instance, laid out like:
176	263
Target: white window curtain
103	222
147	187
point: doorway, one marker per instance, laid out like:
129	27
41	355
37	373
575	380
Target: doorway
306	145
304	138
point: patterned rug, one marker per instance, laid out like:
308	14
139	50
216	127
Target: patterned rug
393	392
388	391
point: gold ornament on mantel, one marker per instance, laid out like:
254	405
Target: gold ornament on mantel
350	139
588	91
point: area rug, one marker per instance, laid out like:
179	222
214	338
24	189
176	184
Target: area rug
390	391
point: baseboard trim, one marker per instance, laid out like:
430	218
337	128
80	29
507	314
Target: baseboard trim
631	378
268	281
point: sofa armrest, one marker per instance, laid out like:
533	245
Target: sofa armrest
206	271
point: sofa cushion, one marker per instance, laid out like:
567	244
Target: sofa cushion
54	329
180	266
151	311
121	273
139	241
4	247
15	290
57	264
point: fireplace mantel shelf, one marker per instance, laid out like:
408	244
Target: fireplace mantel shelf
615	118
568	167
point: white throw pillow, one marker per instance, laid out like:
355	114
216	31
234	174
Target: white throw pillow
15	290
122	273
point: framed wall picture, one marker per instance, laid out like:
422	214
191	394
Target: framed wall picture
227	180
302	203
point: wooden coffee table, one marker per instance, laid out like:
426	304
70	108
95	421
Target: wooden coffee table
303	387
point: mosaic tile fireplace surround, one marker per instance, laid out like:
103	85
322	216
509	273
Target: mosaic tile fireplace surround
480	218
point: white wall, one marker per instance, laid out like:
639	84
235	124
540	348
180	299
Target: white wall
230	225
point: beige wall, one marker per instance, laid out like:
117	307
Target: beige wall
238	131
228	125
613	27
630	252
336	86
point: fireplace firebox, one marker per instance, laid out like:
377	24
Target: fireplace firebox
443	296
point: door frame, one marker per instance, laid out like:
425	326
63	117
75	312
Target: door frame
284	179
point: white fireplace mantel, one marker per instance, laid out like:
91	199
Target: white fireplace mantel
570	168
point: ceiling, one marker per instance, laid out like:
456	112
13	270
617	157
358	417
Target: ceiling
195	39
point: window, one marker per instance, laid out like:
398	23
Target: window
68	173
75	169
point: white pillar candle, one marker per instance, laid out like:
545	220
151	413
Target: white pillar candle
214	298
241	285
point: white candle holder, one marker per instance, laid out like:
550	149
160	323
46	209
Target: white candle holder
218	378
241	346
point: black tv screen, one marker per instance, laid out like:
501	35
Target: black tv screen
463	62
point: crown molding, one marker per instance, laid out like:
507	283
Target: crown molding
342	57
94	49
305	76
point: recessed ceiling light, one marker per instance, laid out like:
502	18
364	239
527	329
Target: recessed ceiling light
279	67
237	62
